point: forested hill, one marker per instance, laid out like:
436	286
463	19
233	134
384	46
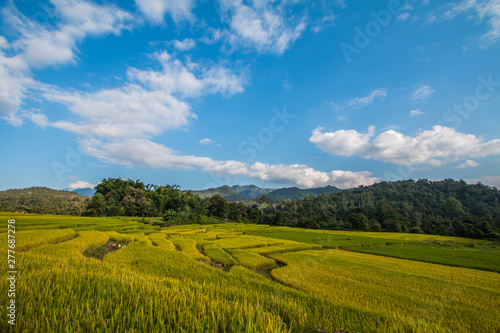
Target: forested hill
445	207
297	193
42	200
252	192
224	191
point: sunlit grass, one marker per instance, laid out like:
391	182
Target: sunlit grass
160	282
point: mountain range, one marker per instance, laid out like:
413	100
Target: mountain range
249	192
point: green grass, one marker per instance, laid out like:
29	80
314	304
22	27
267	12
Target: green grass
27	239
485	257
328	240
122	238
188	246
433	298
217	254
289	246
235	242
148	286
159	239
252	260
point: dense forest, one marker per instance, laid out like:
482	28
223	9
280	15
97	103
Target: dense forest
42	200
445	207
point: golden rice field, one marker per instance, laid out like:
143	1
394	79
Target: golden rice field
242	278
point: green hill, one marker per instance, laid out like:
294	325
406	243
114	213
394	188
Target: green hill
248	192
251	191
297	193
42	200
224	191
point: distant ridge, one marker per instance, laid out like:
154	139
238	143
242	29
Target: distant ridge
249	192
224	191
297	193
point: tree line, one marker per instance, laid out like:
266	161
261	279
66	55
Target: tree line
445	207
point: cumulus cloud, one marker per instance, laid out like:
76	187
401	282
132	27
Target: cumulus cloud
415	113
148	104
207	141
148	154
42	46
422	93
468	164
262	25
439	146
184	45
15	80
39	118
80	184
155	10
39	46
302	175
360	102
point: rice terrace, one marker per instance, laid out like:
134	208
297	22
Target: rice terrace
79	274
250	166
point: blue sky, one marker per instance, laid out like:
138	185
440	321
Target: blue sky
272	93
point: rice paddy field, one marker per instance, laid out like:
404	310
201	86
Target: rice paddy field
243	278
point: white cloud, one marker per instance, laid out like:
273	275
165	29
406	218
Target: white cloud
342	142
360	102
415	113
155	10
184	45
148	154
468	164
403	16
478	10
180	79
262	25
304	176
148	104
481	10
80	184
39	46
324	22
207	141
422	93
15	80
439	146
39	119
